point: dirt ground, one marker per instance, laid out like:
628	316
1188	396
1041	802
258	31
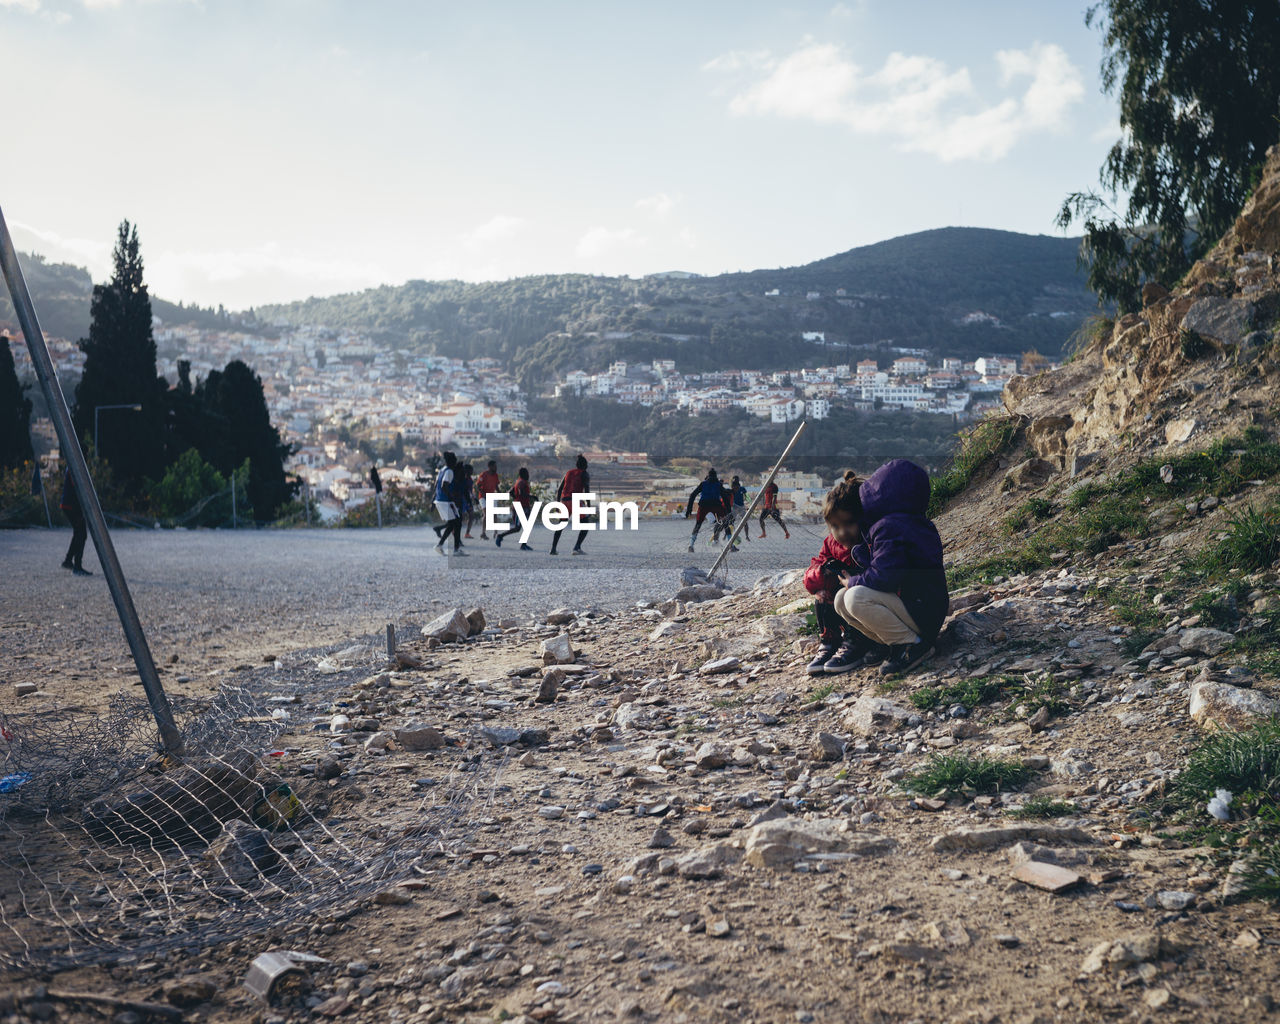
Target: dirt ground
607	877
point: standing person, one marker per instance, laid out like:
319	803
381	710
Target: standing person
707	494
467	490
771	510
446	499
70	505
375	481
576	481
486	484
521	495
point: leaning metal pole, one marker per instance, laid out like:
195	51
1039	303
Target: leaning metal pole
756	500
88	496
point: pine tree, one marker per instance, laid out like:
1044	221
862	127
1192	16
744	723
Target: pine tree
15	413
120	369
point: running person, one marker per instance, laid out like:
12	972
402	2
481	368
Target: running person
710	503
740	505
770	510
576	481
486	484
447	504
520	495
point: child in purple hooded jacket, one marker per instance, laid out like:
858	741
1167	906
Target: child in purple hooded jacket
900	599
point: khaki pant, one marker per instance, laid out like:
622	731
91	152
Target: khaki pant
878	614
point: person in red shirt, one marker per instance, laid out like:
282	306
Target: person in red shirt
520	495
770	510
843	647
486	484
576	481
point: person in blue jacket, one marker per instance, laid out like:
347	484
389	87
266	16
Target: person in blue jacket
900	599
709	496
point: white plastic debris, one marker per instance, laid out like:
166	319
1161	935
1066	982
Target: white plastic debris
280	715
1220	805
339	723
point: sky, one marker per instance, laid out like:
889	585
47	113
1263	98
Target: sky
269	150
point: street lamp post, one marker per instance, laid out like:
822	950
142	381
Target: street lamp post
135	406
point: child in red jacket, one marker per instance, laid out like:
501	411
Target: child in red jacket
843	647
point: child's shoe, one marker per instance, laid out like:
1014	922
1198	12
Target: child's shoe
905	658
825	653
848	657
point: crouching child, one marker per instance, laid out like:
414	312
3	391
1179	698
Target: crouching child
842	647
899	600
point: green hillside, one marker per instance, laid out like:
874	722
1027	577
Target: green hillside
906	292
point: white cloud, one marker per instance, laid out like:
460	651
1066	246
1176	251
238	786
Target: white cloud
916	100
499	228
599	241
737	60
30	6
659	205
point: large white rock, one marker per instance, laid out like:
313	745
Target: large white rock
871	715
557	650
1221	706
780	843
1205	640
450	626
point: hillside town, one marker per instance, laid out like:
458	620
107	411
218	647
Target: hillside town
340	399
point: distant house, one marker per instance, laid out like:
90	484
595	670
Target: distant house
771	293
811	296
820	337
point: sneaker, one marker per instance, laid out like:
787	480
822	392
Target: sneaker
78	571
786	535
825	653
690	549
67	564
905	658
578	551
525	547
849	657
439	548
497	539
458	553
483	535
467	536
763	535
875	655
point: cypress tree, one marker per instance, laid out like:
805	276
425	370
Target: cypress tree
15	413
120	369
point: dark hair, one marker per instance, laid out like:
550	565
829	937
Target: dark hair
493	463
467	468
711	474
844	497
735	481
523	474
450	459
582	462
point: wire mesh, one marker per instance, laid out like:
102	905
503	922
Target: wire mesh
113	854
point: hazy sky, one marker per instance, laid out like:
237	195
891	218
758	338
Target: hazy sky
274	149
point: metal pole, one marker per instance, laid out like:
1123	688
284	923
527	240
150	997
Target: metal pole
233	499
86	493
756	500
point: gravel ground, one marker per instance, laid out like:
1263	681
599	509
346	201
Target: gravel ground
213	598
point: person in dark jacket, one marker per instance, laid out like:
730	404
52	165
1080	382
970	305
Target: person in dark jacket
899	599
842	648
522	495
710	503
70	505
448	503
